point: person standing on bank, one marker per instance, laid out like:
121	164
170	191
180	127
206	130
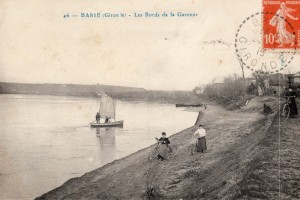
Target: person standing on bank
293	105
201	140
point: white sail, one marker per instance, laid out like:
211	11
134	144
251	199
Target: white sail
107	107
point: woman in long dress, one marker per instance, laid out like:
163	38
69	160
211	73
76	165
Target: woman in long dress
279	20
201	140
163	151
293	105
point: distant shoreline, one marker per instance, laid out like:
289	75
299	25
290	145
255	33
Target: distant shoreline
94	91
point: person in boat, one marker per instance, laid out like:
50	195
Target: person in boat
164	147
110	120
106	119
201	140
293	105
98	117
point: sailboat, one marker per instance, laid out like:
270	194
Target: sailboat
107	109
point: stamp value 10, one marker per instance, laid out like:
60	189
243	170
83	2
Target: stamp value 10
281	24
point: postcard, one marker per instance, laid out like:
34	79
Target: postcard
149	99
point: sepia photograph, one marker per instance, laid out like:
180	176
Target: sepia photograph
149	100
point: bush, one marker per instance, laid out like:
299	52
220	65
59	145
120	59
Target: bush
231	89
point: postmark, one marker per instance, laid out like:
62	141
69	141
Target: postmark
251	52
281	24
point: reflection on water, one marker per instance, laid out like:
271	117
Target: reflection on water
46	140
106	139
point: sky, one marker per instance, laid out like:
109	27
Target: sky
38	45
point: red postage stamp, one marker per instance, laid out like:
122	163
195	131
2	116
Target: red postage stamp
281	24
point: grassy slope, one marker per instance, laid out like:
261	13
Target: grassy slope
235	142
275	172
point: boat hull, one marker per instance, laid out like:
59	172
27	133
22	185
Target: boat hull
189	105
109	124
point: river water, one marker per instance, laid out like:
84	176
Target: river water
46	140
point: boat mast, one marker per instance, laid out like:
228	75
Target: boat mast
100	104
100	108
115	110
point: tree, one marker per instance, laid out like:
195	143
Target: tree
241	65
260	78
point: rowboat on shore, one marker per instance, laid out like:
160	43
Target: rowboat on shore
189	105
107	110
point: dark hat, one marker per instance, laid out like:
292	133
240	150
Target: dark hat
163	133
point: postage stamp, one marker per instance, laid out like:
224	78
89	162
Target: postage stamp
281	24
250	50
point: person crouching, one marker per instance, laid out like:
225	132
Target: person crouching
164	147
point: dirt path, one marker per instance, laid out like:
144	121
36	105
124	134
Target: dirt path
233	139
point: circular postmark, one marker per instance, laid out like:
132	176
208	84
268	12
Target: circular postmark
249	47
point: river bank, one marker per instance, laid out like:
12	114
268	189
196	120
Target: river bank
234	141
122	93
